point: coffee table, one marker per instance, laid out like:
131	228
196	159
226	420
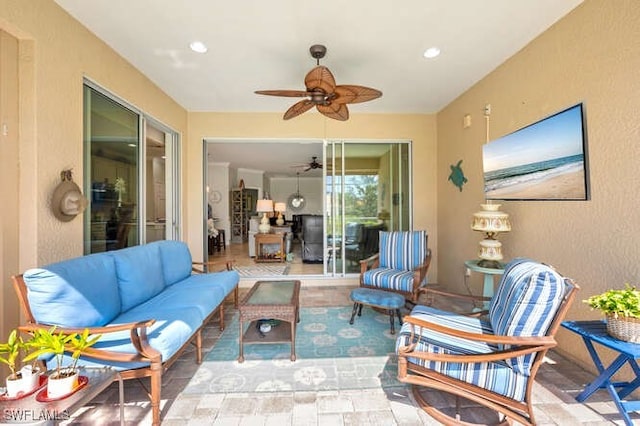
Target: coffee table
278	300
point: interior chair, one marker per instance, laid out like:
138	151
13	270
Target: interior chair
491	360
401	264
365	245
312	239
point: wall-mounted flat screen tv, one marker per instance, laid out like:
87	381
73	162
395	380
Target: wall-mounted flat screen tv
546	160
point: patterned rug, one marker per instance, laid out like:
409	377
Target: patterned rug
331	355
262	270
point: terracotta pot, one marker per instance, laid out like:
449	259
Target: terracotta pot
61	386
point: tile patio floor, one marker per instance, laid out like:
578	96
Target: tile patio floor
558	382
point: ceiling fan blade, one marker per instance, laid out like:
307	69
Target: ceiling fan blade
335	110
298	108
353	94
287	93
320	78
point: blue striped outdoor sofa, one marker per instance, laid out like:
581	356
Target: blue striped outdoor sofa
490	360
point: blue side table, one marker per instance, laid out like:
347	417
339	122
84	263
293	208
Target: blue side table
488	286
596	331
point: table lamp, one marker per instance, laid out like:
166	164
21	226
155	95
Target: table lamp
264	206
280	208
491	222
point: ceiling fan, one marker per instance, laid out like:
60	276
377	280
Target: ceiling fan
312	165
323	93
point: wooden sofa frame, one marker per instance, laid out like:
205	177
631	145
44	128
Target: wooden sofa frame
138	334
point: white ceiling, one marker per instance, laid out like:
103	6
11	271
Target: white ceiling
259	44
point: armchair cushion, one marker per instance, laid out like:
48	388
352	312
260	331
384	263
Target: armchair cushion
525	304
404	250
389	279
497	376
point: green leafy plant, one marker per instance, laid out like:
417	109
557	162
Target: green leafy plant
47	342
10	351
623	302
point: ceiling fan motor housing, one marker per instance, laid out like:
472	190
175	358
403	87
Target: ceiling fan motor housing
318	51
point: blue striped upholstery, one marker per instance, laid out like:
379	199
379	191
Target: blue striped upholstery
525	303
495	376
403	250
390	279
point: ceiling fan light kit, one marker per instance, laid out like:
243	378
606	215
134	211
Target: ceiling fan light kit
322	92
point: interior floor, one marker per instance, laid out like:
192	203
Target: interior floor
239	252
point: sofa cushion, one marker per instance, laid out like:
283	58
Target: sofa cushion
173	327
139	272
79	292
176	260
204	292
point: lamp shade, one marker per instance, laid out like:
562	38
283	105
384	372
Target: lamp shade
264	206
280	207
491	220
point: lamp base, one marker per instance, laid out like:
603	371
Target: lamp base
280	220
264	226
490	264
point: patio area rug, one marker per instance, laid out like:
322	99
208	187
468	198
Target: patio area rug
331	355
262	270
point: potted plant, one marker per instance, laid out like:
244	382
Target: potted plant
27	378
622	310
63	379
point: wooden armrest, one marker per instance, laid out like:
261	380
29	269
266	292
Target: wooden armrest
205	267
479	337
92	330
138	336
469	297
369	263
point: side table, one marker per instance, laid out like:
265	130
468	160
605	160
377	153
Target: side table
267	239
488	286
29	409
596	331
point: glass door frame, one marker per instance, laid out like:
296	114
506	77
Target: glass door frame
172	169
337	209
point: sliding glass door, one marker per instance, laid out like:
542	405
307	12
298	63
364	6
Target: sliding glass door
367	190
130	174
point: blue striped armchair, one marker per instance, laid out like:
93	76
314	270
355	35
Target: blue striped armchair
401	264
490	360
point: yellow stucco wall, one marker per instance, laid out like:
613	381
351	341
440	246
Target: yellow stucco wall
419	128
590	56
56	52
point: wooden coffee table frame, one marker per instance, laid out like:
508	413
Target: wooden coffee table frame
285	310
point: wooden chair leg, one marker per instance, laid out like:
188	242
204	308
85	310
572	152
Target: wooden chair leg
156	385
199	347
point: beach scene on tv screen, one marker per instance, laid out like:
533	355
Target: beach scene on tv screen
543	161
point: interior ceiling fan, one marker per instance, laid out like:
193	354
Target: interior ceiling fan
323	93
312	165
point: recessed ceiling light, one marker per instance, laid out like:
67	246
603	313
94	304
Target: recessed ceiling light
198	46
431	52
